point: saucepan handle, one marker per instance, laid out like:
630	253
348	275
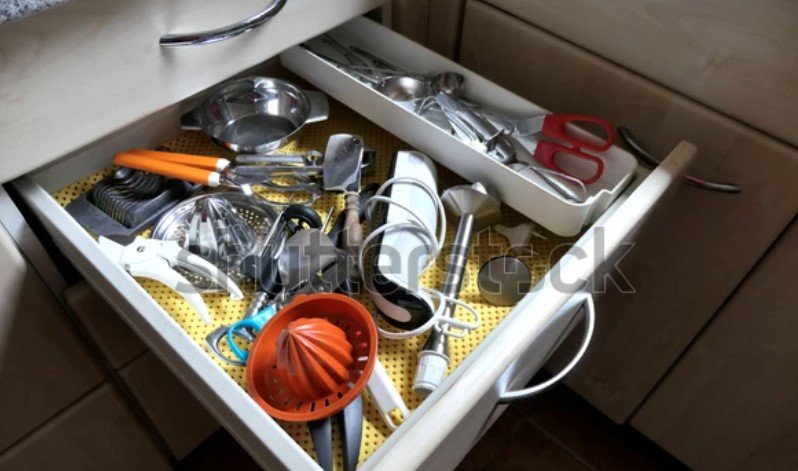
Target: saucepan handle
319	106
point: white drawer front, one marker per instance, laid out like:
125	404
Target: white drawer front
456	411
85	69
527	334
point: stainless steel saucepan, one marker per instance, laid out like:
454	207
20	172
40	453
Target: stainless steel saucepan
256	114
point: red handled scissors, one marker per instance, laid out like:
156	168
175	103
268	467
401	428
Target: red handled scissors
555	127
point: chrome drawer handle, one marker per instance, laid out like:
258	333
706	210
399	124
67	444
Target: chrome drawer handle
585	301
225	32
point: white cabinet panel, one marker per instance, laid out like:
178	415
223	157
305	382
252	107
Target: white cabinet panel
44	365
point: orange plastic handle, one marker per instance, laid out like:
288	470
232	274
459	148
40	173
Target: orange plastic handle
168	169
215	164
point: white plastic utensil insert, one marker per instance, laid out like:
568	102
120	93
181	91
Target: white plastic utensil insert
525	193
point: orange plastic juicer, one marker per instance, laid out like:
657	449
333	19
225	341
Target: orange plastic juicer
313	358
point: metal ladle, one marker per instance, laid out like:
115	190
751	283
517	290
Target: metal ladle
409	87
403	88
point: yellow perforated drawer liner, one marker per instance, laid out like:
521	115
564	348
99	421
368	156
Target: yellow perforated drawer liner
398	356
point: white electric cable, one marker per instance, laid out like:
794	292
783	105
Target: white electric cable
434	245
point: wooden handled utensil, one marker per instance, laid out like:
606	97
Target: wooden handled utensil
342	163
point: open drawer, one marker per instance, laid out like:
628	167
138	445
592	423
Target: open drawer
441	429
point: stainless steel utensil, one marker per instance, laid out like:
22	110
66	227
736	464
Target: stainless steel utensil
475	207
519	237
378	62
237	225
559	182
256	114
350	424
450	83
126	202
384	77
305	253
403	88
310	158
342	162
483	132
503	281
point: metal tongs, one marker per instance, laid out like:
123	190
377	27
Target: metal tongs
156	259
309	164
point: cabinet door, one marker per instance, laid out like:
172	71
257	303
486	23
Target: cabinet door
117	342
730	401
97	433
182	420
696	248
737	60
44	366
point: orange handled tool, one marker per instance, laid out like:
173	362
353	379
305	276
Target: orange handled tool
193	168
215	164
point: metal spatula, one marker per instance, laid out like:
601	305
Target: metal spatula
342	163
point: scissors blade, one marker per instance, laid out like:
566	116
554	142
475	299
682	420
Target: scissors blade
528	126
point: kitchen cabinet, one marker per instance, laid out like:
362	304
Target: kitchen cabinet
441	429
180	419
409	17
736	60
729	403
97	433
118	344
86	69
699	245
437	24
44	365
445	26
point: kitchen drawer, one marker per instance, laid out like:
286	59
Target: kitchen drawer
83	70
455	413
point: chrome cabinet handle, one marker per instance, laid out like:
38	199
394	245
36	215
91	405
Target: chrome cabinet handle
583	300
225	32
